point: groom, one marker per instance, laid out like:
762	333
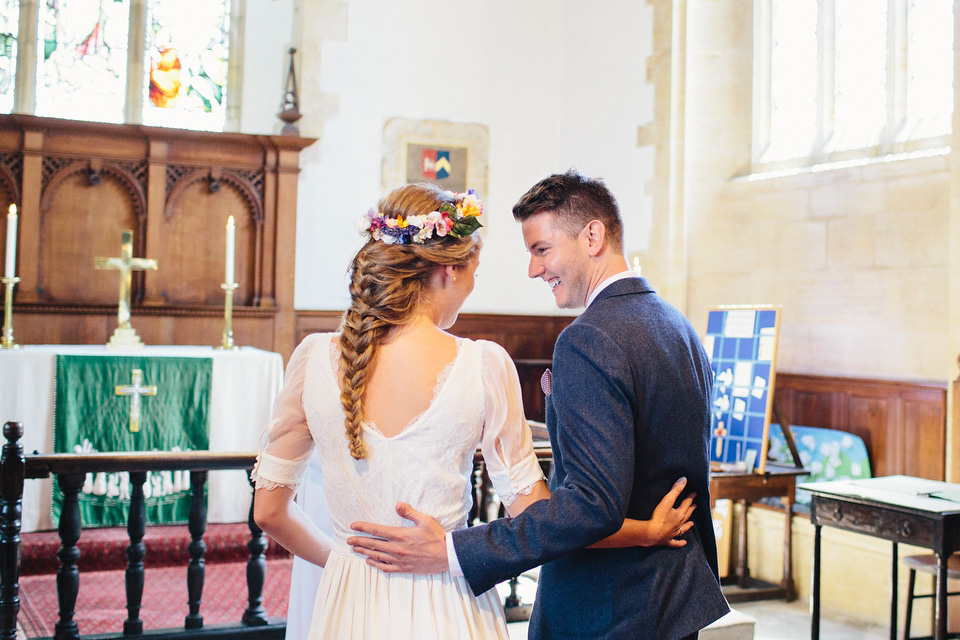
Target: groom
629	413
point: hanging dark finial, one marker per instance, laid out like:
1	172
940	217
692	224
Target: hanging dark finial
290	105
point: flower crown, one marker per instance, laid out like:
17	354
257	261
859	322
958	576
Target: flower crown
458	220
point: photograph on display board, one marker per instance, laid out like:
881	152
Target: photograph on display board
741	343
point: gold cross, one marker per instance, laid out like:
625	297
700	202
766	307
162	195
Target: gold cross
135	390
125	264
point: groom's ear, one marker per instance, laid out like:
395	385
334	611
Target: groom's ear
595	235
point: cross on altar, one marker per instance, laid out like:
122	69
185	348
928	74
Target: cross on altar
134	391
125	335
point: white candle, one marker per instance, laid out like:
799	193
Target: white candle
636	265
11	242
231	238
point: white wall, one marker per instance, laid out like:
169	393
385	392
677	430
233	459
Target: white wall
558	85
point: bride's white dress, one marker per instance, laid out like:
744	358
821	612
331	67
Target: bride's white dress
427	465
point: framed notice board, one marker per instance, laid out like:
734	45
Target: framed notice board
741	343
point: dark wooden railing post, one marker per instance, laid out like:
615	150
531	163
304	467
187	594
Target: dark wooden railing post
136	528
197	524
477	510
11	481
68	576
255	614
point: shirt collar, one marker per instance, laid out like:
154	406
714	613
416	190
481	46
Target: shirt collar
623	275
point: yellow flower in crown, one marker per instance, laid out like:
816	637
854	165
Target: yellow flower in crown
470	205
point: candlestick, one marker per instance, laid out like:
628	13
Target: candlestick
231	239
227	341
6	341
11	255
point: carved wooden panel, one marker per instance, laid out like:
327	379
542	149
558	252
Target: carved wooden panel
80	184
903	424
80	221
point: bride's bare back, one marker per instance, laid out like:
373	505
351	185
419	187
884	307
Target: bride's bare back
404	378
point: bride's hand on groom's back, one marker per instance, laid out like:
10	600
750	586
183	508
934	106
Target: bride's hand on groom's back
421	548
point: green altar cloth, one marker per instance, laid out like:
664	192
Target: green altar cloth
131	403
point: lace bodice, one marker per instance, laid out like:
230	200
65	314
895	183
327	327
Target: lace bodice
427	465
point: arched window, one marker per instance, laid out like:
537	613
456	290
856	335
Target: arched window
156	62
840	79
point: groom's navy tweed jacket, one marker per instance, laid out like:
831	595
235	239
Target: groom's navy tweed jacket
629	414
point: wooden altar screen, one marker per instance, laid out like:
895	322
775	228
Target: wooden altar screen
78	185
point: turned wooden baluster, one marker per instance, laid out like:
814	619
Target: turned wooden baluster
11	499
136	527
68	576
477	510
255	614
197	524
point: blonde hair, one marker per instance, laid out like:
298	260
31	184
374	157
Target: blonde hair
387	284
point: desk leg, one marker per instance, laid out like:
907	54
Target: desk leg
743	573
790	591
894	583
941	606
815	587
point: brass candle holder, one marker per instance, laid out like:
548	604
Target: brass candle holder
227	341
6	342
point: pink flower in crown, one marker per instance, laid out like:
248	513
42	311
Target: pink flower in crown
444	224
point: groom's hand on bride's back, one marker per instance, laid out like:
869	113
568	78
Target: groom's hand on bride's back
421	548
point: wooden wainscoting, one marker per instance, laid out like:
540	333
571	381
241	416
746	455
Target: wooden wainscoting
902	423
528	339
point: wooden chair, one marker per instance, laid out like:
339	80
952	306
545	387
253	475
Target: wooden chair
927	563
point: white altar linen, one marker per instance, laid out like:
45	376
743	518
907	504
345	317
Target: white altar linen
244	385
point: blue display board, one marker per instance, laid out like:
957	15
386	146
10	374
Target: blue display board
742	345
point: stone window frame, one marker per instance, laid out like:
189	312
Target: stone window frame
820	154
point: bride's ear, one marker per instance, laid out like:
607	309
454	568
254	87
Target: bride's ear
444	276
450	273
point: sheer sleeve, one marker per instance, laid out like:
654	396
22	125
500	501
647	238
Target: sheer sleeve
286	443
506	443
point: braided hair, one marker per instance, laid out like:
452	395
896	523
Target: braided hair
388	282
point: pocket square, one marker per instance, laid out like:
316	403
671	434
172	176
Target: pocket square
546	382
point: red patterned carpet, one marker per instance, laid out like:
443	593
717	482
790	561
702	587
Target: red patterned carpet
101	603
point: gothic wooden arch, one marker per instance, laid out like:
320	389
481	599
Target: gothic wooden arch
216	178
95	169
9	183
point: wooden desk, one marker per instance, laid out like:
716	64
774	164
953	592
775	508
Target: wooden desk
775	482
895	508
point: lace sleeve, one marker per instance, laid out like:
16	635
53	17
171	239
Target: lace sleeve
506	443
286	443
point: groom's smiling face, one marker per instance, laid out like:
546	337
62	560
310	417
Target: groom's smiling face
558	258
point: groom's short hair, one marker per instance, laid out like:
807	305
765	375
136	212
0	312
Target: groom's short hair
574	200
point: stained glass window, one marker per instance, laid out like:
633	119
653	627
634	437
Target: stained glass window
187	49
9	27
82	59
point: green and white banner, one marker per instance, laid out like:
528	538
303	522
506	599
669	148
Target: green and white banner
131	403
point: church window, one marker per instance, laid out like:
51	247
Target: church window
82	59
187	50
9	28
841	79
76	64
